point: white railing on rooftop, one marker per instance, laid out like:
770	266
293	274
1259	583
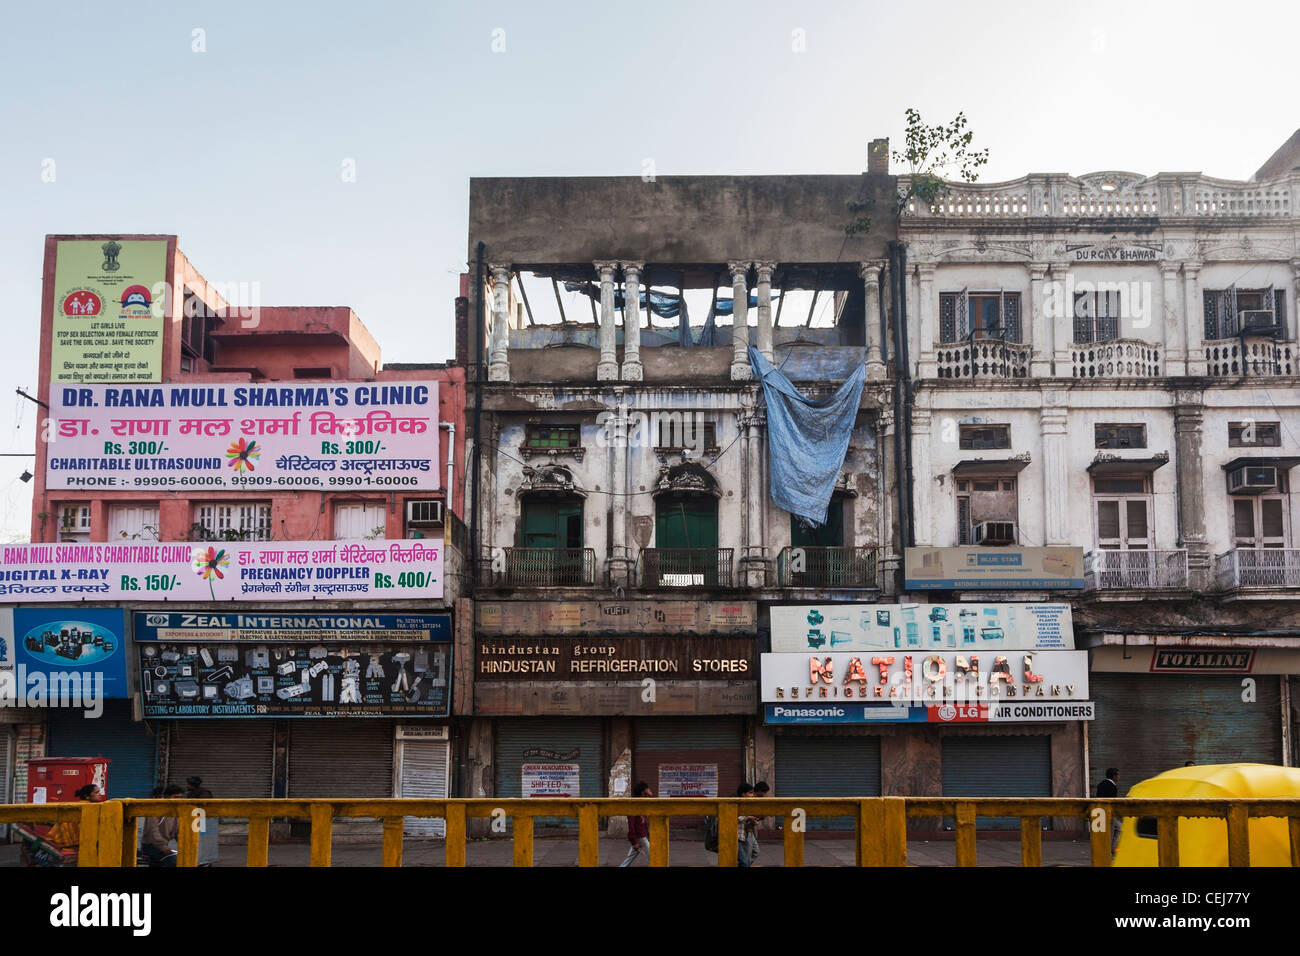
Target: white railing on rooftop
1108	195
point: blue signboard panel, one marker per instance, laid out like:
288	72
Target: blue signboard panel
810	713
87	644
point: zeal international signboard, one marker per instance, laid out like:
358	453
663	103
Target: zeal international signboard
358	435
222	571
109	303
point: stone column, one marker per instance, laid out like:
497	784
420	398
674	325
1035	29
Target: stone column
755	562
889	521
1062	320
1174	358
1056	474
607	370
923	482
765	269
620	561
740	370
1194	324
499	360
927	320
1040	324
1191	476
632	371
870	272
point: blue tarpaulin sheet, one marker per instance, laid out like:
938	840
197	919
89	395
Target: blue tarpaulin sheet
807	440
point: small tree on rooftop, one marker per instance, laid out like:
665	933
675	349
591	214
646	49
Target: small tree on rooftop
934	155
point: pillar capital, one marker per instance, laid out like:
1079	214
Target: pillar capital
604	266
632	270
500	271
738	268
1038	270
765	268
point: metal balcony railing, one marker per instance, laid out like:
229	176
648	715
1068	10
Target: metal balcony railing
684	568
807	567
1258	568
541	568
1145	570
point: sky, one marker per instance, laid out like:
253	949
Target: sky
235	124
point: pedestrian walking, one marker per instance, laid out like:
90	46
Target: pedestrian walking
761	789
638	829
1108	788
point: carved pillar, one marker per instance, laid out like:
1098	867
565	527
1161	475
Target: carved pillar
607	370
1194	325
1056	473
499	360
740	370
619	559
1062	319
632	371
926	319
1175	358
1040	324
870	272
764	270
922	481
1188	411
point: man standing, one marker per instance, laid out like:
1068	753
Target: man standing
194	789
744	828
159	832
638	829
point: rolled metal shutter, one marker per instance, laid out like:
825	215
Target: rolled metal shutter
820	766
424	766
997	766
340	758
131	746
513	737
689	740
1147	724
234	757
6	772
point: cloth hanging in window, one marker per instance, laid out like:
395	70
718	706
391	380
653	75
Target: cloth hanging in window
806	440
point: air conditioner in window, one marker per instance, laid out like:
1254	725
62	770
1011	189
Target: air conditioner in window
1252	479
1257	320
995	532
425	513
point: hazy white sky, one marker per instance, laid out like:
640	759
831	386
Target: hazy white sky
239	148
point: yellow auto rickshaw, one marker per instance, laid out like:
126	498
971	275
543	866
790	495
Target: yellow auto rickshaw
1204	841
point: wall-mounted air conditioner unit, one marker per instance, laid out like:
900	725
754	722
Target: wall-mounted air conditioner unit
424	513
1252	480
995	532
1257	320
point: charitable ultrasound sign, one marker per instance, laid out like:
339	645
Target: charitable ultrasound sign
258	437
244	571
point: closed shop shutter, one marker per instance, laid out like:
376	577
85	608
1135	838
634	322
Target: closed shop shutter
340	758
514	737
424	769
232	756
131	745
808	766
716	742
6	771
1147	724
997	766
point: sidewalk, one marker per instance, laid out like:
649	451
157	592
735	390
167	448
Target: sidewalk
559	851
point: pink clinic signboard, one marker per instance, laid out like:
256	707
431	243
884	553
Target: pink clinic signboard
363	436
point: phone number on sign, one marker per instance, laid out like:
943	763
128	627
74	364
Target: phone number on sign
221	481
